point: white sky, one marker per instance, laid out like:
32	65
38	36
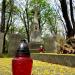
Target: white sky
0	1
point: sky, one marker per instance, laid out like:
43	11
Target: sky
0	1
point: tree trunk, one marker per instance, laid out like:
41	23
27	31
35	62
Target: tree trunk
3	50
71	11
66	18
7	28
4	39
3	16
28	36
72	16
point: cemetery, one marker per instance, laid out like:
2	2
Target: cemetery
37	37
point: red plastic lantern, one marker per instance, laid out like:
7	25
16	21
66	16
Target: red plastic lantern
22	63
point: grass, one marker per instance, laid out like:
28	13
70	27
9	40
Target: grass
39	68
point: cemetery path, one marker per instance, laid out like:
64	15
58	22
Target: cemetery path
39	68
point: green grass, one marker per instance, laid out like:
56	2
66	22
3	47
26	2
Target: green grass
39	68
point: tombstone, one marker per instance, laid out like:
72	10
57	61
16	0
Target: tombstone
1	42
35	36
50	44
14	40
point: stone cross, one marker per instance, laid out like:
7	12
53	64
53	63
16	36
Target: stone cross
35	33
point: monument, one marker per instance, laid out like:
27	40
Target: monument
14	40
35	36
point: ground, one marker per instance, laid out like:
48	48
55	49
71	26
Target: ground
39	68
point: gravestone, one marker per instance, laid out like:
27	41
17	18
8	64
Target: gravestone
35	36
14	41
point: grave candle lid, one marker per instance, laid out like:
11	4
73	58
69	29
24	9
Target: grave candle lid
23	49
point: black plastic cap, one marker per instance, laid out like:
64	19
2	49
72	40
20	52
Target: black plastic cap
23	49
